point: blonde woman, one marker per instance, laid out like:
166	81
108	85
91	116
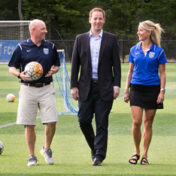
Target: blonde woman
146	80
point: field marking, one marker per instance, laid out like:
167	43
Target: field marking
11	124
7	125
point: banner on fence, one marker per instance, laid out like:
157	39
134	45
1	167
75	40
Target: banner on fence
7	48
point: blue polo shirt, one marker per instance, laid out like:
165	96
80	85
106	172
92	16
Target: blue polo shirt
145	70
46	54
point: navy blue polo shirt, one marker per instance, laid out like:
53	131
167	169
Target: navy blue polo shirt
46	54
145	70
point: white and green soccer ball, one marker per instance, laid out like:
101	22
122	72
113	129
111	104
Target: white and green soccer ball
1	147
34	70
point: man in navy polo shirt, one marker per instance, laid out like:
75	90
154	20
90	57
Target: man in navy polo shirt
37	94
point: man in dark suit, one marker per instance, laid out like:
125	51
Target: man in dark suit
96	53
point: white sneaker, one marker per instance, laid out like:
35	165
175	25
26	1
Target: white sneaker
32	161
47	155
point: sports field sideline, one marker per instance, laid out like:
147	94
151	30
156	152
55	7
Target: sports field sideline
71	153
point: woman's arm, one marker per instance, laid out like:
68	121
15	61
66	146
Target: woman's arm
162	73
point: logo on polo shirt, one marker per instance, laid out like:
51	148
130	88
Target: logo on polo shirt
137	53
151	54
46	51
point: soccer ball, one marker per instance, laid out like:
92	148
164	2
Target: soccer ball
1	147
10	97
34	70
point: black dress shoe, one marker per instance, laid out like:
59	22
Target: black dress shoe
97	162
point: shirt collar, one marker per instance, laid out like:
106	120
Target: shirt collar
152	48
99	35
31	43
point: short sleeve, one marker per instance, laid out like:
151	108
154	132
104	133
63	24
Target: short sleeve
162	58
15	59
131	58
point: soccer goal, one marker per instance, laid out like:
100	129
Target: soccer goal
11	33
14	30
65	104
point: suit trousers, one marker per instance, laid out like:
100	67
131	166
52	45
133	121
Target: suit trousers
94	105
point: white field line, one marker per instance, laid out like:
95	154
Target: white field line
7	125
11	124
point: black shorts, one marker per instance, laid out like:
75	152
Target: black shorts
145	96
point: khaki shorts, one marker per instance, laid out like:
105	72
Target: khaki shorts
33	98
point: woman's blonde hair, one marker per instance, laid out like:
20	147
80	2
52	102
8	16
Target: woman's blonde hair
155	30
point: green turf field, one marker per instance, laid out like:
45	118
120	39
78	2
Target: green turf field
71	153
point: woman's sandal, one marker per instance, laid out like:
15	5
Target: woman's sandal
144	161
134	159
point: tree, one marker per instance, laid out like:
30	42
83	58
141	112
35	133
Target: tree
64	18
9	10
67	18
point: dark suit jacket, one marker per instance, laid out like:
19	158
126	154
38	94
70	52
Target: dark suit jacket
109	70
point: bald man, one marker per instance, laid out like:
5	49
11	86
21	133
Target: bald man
38	94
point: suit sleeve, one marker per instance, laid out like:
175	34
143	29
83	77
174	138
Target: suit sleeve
75	65
56	59
116	63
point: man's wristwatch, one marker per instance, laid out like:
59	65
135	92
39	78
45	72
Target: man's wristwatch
19	76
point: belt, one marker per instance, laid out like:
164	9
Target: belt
36	84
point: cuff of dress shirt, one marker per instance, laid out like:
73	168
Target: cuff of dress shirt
116	87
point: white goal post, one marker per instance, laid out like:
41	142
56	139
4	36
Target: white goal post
14	30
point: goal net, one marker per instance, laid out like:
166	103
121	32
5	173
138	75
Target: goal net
11	33
65	104
14	30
